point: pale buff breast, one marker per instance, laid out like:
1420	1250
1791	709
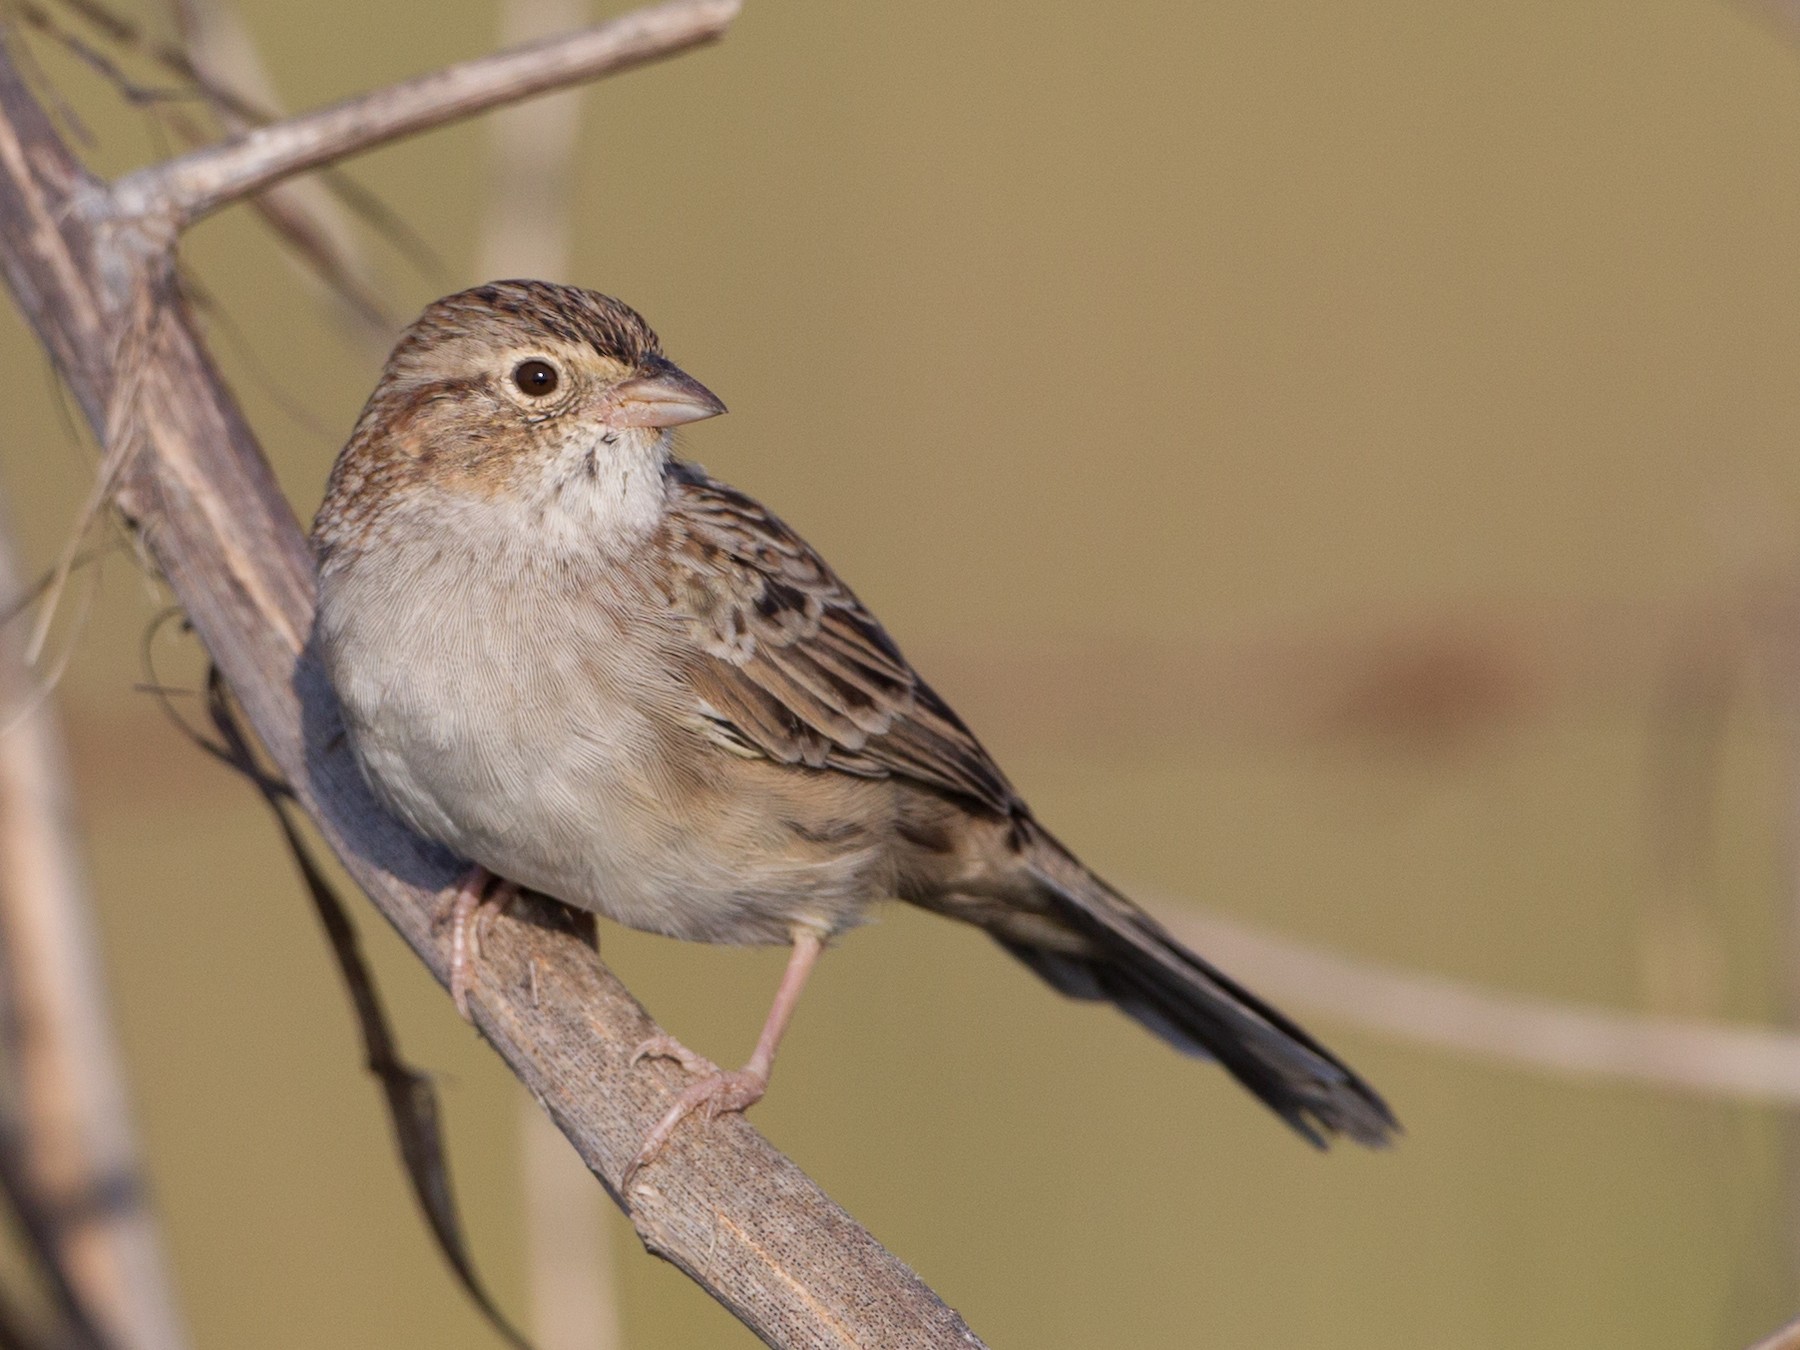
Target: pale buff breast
514	703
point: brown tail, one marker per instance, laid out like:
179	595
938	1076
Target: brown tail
1194	1006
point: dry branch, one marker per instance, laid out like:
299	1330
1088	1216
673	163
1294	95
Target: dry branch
74	1130
184	189
80	258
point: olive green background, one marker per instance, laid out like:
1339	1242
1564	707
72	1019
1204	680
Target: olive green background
1151	368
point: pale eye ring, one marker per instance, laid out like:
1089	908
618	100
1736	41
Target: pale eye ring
535	378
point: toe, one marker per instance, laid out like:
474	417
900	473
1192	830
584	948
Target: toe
716	1093
735	1091
664	1046
465	951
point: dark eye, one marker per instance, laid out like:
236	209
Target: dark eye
536	378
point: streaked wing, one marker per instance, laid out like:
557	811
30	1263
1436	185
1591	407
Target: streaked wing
790	665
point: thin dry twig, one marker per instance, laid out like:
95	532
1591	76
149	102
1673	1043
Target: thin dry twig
128	359
720	1203
236	111
303	214
183	190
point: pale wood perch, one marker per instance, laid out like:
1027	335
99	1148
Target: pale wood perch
89	265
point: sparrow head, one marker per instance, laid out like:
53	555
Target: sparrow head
531	352
510	386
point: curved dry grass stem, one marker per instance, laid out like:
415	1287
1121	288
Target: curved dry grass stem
1676	1053
1785	1338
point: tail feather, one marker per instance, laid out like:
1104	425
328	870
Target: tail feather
1196	1007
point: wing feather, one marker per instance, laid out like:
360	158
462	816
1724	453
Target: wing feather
789	662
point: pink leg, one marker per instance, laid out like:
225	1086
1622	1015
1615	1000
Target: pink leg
722	1090
480	896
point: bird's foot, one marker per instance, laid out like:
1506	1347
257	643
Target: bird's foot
719	1090
479	897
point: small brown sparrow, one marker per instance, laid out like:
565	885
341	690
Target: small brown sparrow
596	672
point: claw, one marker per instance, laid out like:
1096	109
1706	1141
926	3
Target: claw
664	1046
719	1091
479	897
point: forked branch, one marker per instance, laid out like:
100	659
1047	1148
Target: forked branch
83	259
184	189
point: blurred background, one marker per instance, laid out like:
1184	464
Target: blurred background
1339	457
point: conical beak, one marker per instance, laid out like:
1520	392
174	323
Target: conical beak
666	397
